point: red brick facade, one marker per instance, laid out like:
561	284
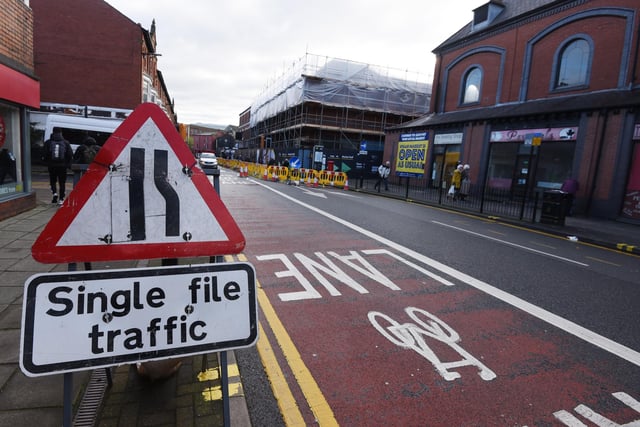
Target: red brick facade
88	53
17	33
519	56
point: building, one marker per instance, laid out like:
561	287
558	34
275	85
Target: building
89	54
325	111
19	91
540	93
201	137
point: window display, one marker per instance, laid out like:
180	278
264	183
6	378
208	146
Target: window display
11	180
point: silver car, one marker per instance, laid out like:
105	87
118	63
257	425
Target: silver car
208	161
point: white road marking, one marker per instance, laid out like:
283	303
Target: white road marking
515	245
568	326
414	336
312	193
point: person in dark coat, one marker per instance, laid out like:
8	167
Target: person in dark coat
58	155
7	165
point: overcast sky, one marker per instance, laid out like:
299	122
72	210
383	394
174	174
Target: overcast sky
218	56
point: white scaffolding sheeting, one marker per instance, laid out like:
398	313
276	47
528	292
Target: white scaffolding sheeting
343	83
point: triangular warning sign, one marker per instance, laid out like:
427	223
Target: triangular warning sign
142	197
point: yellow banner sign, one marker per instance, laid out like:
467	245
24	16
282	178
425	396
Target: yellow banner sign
411	158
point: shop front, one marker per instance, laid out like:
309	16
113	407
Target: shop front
525	161
18	92
631	201
446	154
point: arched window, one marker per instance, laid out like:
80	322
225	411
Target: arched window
472	82
574	63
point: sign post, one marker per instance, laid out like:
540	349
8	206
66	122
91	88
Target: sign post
142	197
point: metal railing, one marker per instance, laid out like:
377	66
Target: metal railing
484	200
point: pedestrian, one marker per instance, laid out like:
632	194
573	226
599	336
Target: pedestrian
7	165
383	176
456	181
57	156
465	185
570	186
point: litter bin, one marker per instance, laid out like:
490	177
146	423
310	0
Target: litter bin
555	205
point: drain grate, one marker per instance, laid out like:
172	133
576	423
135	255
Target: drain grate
92	399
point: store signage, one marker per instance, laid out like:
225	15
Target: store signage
448	138
548	134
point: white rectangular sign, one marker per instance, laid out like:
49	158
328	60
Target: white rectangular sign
82	320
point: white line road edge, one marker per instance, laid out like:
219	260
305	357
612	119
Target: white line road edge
568	326
515	245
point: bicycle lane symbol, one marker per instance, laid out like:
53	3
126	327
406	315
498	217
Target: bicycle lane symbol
414	336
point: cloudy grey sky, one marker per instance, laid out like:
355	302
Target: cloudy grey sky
218	56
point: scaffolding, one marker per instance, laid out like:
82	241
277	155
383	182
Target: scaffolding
345	84
335	104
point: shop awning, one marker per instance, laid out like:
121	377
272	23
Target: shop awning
19	88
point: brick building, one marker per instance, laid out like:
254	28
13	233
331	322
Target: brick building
536	94
334	107
19	91
88	53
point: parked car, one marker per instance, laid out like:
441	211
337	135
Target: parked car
208	161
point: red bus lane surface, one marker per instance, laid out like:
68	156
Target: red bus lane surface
367	333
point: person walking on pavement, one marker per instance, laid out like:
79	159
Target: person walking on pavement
383	176
465	184
456	181
57	156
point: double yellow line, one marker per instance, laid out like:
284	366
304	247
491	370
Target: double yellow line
288	406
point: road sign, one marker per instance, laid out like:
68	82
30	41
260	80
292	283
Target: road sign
142	197
82	320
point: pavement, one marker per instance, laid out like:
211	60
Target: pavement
192	396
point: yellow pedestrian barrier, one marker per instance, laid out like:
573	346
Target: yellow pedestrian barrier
283	173
340	179
294	176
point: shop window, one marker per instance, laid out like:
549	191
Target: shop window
502	166
471	87
10	154
631	202
573	64
445	158
555	163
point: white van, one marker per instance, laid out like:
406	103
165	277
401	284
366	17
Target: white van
75	127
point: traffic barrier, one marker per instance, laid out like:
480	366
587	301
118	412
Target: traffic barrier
272	172
283	173
302	175
340	179
255	170
311	177
323	178
306	174
294	176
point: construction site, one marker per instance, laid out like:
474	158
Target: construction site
328	113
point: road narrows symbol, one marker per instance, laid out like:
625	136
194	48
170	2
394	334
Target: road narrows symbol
136	195
160	174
